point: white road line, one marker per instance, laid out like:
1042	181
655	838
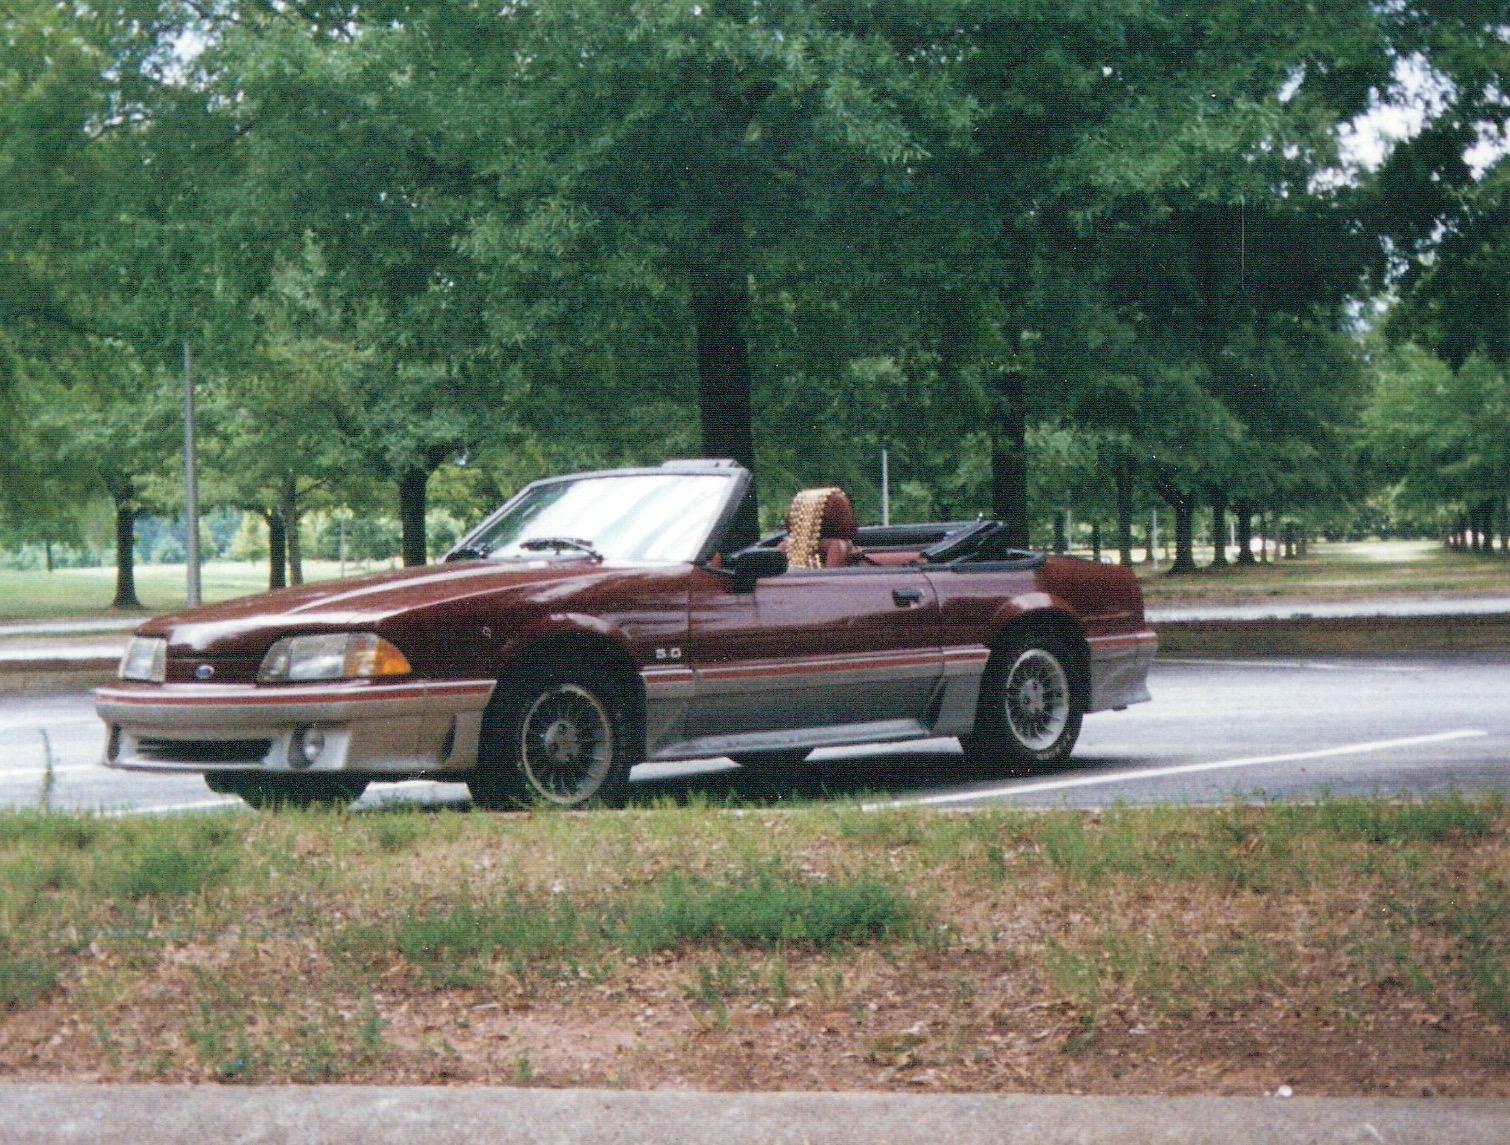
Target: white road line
168	808
1309	665
1180	769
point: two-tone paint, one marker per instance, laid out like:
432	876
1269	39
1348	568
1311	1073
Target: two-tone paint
809	658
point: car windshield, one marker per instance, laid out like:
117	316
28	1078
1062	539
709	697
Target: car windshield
655	517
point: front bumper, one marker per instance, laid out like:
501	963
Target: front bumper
411	728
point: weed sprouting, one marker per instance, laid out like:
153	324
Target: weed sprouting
1483	928
897	828
455	942
396	831
768	912
1431	820
52	829
24	981
166	869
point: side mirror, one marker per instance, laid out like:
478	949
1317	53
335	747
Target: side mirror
755	563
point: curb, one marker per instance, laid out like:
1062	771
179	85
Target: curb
379	1115
1323	636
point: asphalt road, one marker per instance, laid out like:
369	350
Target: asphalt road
1215	731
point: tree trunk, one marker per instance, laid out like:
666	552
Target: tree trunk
723	391
1184	526
1244	513
277	550
1061	544
123	494
1009	456
1123	478
47	554
1219	529
1184	537
720	315
288	509
1096	542
413	486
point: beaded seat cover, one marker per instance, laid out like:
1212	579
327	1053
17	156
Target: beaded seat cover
804	524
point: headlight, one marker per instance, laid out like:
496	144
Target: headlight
146	659
337	656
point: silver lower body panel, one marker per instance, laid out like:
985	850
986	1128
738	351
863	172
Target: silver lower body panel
1119	670
409	728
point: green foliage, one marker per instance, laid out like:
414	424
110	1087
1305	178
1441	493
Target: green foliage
1432	821
406	241
24	981
168	864
771	912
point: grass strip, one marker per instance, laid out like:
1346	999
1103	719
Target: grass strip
164	948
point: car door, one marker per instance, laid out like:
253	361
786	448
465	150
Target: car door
821	649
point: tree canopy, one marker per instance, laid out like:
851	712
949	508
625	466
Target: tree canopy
1041	253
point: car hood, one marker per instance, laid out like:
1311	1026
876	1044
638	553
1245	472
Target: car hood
383	602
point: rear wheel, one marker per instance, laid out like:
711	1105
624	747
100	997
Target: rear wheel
267	791
557	736
1029	712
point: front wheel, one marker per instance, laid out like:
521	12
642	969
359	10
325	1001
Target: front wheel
559	737
1028	711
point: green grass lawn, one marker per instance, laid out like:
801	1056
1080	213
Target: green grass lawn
1338	571
86	593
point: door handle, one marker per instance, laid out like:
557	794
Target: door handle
905	597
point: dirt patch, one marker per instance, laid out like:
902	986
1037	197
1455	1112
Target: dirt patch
949	1025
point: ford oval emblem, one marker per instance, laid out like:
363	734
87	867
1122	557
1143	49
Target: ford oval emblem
204	671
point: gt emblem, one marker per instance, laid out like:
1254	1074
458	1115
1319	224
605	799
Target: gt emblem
204	671
668	653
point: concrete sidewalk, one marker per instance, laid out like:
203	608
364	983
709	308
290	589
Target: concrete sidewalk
379	1115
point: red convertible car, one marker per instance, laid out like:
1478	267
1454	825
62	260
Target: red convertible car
604	619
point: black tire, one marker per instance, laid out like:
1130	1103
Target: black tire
772	762
266	791
1029	711
561	737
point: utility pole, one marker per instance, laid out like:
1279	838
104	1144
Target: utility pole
191	490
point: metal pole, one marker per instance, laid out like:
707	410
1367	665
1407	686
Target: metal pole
885	489
191	490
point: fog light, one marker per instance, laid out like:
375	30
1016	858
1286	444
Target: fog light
305	747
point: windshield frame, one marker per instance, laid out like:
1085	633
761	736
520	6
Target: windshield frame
736	476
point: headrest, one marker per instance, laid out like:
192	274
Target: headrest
816	514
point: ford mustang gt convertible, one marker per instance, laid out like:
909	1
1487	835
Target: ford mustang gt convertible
600	620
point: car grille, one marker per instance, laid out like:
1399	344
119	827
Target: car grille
224	669
204	750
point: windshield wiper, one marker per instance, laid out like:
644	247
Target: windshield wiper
560	545
475	552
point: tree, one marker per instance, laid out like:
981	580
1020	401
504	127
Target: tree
702	146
